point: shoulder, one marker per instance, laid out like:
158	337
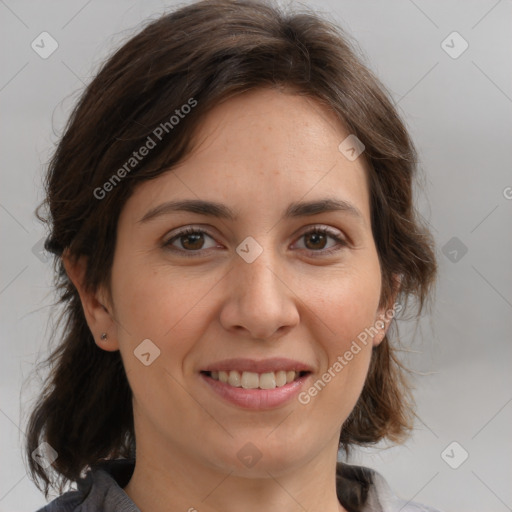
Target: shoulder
368	491
101	489
68	502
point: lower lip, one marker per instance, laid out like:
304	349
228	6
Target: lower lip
258	399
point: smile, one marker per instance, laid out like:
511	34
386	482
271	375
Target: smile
257	397
253	380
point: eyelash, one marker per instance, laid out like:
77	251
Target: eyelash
315	230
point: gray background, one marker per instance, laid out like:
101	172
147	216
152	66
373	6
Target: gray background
459	112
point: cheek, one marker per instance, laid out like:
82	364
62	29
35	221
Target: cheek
170	309
347	306
160	305
347	312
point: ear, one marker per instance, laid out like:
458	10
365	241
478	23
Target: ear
97	308
387	313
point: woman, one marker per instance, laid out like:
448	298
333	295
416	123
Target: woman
234	233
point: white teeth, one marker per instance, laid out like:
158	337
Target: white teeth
281	378
268	380
252	380
234	379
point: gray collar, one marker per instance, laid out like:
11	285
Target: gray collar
359	489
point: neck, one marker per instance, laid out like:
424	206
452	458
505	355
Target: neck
172	480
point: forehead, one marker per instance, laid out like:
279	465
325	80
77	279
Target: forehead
259	152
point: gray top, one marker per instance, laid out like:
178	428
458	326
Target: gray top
359	489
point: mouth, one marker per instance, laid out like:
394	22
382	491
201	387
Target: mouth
253	380
256	391
256	384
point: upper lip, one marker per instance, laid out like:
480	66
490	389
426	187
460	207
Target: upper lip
261	366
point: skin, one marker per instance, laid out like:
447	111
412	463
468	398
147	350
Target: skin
256	153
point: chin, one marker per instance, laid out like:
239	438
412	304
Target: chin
260	456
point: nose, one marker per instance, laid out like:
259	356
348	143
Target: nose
260	301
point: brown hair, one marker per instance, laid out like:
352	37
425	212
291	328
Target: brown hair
209	51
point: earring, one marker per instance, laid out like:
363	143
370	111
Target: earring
104	336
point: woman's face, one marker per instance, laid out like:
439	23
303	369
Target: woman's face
263	286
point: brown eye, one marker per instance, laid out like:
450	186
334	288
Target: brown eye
194	241
316	240
190	240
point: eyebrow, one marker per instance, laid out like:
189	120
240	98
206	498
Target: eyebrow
219	210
